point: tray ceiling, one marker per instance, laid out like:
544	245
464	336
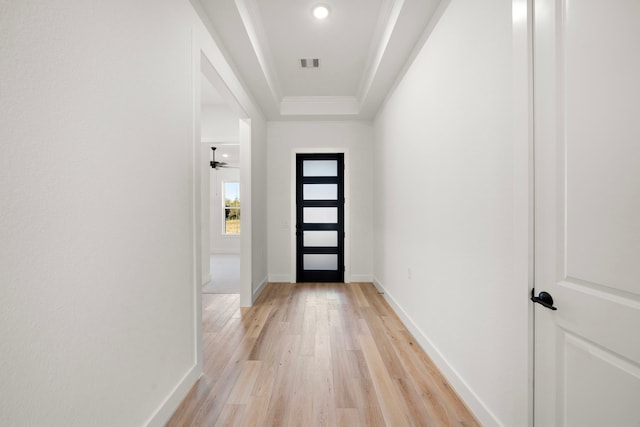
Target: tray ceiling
362	47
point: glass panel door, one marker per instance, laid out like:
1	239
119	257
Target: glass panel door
320	217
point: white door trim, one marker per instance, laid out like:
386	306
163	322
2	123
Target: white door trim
524	170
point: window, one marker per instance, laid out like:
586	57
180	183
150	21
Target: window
231	197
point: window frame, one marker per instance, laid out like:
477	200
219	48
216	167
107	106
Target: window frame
225	207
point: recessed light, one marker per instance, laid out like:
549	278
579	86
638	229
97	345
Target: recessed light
225	155
321	12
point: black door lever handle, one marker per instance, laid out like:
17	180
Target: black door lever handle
543	298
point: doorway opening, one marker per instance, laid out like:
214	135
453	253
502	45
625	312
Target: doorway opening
228	128
225	211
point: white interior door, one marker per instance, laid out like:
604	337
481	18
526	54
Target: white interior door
587	153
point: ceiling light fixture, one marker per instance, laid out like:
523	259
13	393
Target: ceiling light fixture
321	12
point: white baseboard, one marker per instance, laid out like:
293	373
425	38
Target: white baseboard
259	290
470	398
361	278
280	278
378	286
173	400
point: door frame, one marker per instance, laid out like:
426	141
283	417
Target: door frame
207	61
301	181
207	69
347	208
524	175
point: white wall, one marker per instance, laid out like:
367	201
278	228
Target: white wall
283	139
219	124
99	314
449	228
205	219
259	196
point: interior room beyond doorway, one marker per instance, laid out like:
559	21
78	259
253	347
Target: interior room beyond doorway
225	274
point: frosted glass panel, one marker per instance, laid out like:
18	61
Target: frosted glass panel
320	168
321	238
320	192
320	262
320	215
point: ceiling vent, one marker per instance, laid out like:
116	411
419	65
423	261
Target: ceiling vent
310	63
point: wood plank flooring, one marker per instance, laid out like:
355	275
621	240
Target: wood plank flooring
311	354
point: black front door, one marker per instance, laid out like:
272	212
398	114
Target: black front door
320	217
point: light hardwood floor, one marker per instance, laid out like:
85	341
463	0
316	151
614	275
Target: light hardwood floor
315	355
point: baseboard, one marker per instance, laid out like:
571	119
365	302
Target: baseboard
171	403
469	397
378	285
361	278
280	278
259	289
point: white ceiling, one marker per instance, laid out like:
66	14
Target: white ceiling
209	95
362	46
293	33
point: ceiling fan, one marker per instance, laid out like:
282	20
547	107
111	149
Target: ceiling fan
217	165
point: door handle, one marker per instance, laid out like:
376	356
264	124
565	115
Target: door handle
543	298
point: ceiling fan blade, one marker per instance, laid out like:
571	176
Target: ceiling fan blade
218	165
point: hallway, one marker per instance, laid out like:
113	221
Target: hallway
490	155
315	354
